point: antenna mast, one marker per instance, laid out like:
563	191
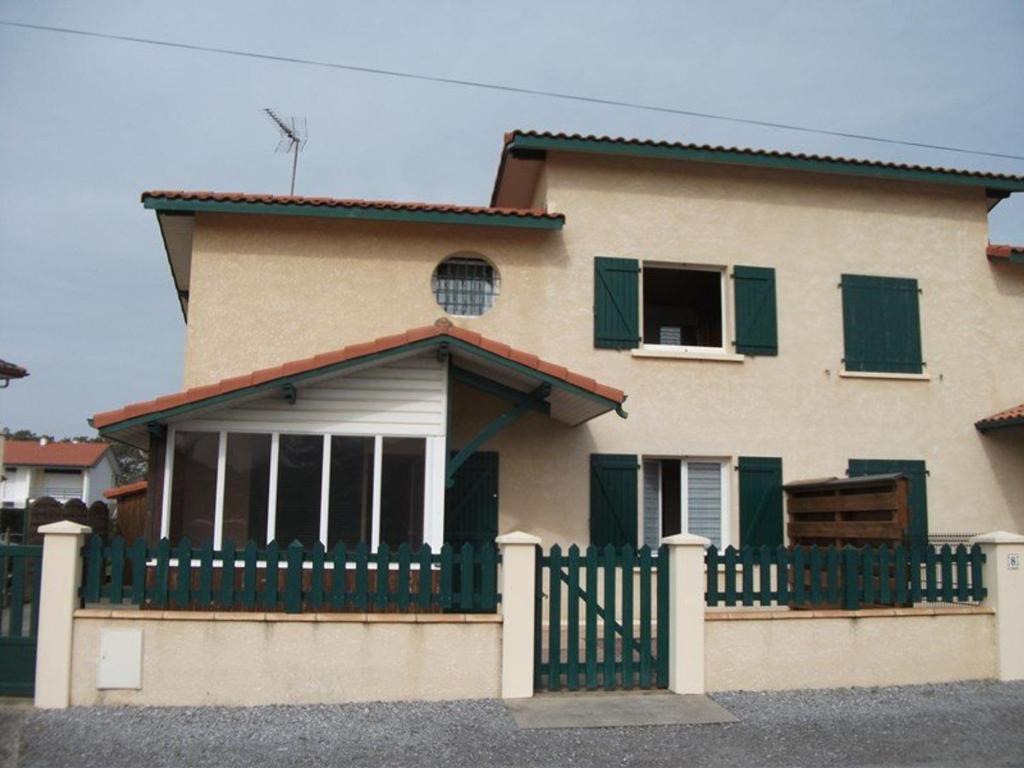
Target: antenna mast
293	137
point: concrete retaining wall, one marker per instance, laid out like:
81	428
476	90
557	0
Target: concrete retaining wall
246	659
774	650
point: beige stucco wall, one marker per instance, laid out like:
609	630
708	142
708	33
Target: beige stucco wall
267	290
873	648
235	660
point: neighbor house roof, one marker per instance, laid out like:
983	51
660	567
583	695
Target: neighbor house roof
1011	417
1011	253
529	143
493	353
126	490
51	454
387	210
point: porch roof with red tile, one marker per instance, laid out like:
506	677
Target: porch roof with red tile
1011	417
494	355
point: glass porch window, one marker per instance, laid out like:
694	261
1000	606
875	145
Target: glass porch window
327	488
402	484
246	488
194	486
300	464
350	506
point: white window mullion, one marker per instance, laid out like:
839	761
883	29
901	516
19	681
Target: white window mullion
218	500
684	497
378	460
275	450
726	506
165	502
325	490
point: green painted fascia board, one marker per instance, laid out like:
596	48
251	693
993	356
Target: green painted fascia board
988	427
415	346
730	157
366	214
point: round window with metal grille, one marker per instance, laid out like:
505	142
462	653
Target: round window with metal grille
465	285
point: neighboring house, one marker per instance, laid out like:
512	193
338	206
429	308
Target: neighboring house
62	471
771	316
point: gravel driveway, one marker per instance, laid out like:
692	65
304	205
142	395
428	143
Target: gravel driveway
960	724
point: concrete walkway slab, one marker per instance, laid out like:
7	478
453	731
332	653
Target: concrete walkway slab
615	709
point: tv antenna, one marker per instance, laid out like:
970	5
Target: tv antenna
293	137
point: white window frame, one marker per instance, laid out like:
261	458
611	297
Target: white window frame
688	349
433	485
724	462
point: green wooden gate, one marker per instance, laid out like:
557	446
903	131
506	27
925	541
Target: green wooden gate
614	605
20	571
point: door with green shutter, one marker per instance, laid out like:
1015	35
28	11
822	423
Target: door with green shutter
613	499
471	504
760	501
917	473
756	315
616	303
881	324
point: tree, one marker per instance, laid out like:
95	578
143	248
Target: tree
130	462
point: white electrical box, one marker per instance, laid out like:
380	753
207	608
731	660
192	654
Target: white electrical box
120	662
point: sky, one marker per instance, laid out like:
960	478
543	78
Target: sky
86	298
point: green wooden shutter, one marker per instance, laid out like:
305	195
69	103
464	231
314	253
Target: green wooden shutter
756	322
760	501
881	324
616	303
613	499
914	469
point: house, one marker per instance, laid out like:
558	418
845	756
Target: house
62	471
385	372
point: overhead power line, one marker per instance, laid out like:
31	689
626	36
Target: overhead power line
503	88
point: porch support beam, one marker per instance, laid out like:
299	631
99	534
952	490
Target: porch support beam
534	400
528	402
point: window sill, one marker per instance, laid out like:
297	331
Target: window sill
843	373
684	353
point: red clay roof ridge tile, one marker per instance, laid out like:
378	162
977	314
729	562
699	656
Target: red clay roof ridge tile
334	202
755	152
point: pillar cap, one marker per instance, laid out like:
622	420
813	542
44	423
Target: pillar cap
998	537
686	540
65	527
517	537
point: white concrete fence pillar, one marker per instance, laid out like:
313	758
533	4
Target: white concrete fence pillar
518	574
58	598
686	612
1003	575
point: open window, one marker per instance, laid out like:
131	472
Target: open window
683	307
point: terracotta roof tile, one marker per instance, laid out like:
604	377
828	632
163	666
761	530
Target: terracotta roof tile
1003	252
351	352
1013	415
332	202
511	136
34	453
126	490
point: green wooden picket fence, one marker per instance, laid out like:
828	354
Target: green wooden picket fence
20	571
615	634
847	577
292	579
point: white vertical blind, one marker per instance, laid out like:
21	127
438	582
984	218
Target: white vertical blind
704	499
652	504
